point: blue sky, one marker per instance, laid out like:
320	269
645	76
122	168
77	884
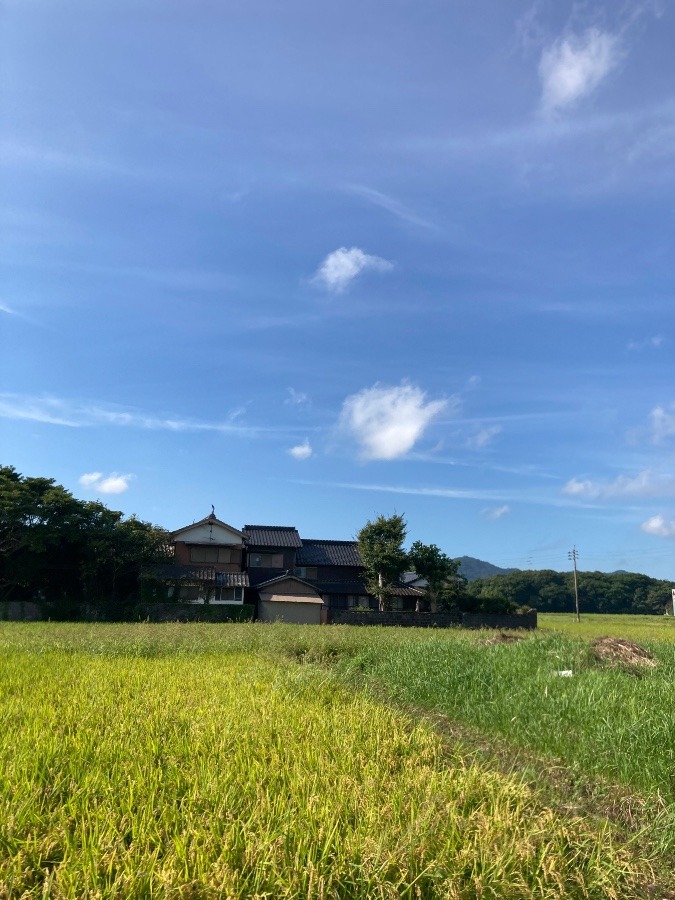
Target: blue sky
315	262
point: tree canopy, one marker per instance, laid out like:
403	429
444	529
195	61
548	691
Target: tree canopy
439	570
67	553
548	591
381	550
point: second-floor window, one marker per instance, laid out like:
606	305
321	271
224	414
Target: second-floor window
210	555
266	560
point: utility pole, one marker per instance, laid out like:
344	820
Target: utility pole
573	555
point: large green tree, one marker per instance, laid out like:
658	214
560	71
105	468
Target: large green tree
381	550
440	572
67	553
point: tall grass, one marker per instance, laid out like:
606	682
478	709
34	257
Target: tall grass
203	762
606	721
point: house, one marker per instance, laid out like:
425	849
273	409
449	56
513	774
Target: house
208	565
285	577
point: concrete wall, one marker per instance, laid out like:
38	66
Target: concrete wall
20	611
430	620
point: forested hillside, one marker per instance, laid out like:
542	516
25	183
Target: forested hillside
548	591
472	568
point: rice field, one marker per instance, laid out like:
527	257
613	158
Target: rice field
259	761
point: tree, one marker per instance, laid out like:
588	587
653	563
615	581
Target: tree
65	553
381	550
439	570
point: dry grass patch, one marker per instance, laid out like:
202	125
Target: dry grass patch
622	653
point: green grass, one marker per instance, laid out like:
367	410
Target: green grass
262	761
638	628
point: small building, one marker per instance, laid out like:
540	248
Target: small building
288	598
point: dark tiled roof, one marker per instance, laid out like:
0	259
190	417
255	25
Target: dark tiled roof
287	576
341	587
272	536
328	553
403	591
232	579
198	573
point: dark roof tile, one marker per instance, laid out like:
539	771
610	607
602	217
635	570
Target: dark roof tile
272	536
328	553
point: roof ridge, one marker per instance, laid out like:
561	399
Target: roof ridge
271	527
328	541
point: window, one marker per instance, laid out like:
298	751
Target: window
266	560
229	595
210	555
310	572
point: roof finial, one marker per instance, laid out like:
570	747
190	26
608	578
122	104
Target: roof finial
213	511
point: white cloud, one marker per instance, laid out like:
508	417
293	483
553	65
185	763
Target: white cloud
497	512
483	437
663	423
7	310
105	484
647	343
644	484
659	526
301	451
579	488
388	421
342	266
574	66
90	479
296	398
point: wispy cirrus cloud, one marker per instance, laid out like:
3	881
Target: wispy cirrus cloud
387	421
574	66
342	266
645	484
496	512
301	451
105	484
484	437
485	495
662	420
74	414
659	526
296	398
649	343
391	205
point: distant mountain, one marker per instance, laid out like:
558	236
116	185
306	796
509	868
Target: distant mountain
473	569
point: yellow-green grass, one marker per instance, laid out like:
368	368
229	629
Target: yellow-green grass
161	762
593	625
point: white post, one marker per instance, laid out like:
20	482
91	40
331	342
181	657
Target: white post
673	595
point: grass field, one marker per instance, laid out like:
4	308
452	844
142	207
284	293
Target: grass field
282	761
